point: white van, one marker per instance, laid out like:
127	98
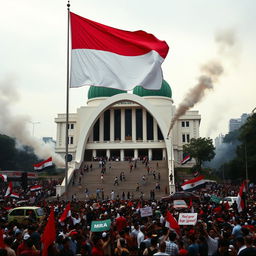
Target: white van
229	199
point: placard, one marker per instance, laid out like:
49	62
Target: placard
100	226
146	211
187	219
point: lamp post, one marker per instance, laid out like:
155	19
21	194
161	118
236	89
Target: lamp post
33	127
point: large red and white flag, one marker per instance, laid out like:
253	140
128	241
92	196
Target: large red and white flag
3	177
193	183
15	195
240	198
114	58
43	164
9	189
171	222
35	188
66	213
49	234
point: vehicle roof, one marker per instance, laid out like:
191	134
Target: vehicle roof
26	207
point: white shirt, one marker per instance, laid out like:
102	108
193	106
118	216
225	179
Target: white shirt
140	238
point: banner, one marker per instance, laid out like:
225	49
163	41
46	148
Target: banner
187	219
100	226
215	199
146	211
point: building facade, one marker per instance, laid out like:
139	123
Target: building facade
120	125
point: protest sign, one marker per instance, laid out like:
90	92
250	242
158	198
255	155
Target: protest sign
187	218
146	211
215	199
100	226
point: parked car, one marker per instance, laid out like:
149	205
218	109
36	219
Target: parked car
179	204
229	199
21	214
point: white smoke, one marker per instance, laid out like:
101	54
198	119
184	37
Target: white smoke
210	74
16	126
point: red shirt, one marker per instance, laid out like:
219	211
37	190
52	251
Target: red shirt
121	223
97	251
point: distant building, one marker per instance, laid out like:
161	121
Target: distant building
218	140
236	123
49	140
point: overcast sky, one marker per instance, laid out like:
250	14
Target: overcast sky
33	52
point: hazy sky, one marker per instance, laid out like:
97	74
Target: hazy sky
33	52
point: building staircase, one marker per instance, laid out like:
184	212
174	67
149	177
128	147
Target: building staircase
92	180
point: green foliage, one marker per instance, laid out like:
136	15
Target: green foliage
245	152
13	159
201	149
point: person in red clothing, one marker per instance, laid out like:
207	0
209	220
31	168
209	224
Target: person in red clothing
121	222
97	249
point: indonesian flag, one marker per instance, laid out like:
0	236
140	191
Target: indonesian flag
66	213
9	189
193	183
3	177
35	188
15	195
171	222
43	164
240	201
49	234
114	58
186	159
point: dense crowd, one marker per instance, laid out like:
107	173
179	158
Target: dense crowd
220	228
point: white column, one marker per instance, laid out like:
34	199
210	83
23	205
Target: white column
122	125
102	128
112	122
155	137
149	154
91	136
133	124
121	155
94	153
144	124
136	153
108	153
164	154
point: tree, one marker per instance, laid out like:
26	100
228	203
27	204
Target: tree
201	149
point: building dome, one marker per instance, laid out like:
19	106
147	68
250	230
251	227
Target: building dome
164	91
97	91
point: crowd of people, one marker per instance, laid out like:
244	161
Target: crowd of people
220	229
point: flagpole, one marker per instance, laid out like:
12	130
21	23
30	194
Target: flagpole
67	108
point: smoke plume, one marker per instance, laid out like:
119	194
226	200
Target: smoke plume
16	126
210	74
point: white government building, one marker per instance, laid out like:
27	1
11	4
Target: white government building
121	125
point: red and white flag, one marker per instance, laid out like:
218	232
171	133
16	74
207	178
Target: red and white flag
49	234
193	183
171	222
35	188
15	195
114	58
43	164
9	189
66	213
240	198
3	177
186	159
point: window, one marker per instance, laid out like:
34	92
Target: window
18	212
71	126
71	140
187	123
183	124
185	138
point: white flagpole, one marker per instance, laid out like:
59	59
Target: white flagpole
67	109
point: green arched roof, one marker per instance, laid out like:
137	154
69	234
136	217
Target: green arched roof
164	91
96	91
